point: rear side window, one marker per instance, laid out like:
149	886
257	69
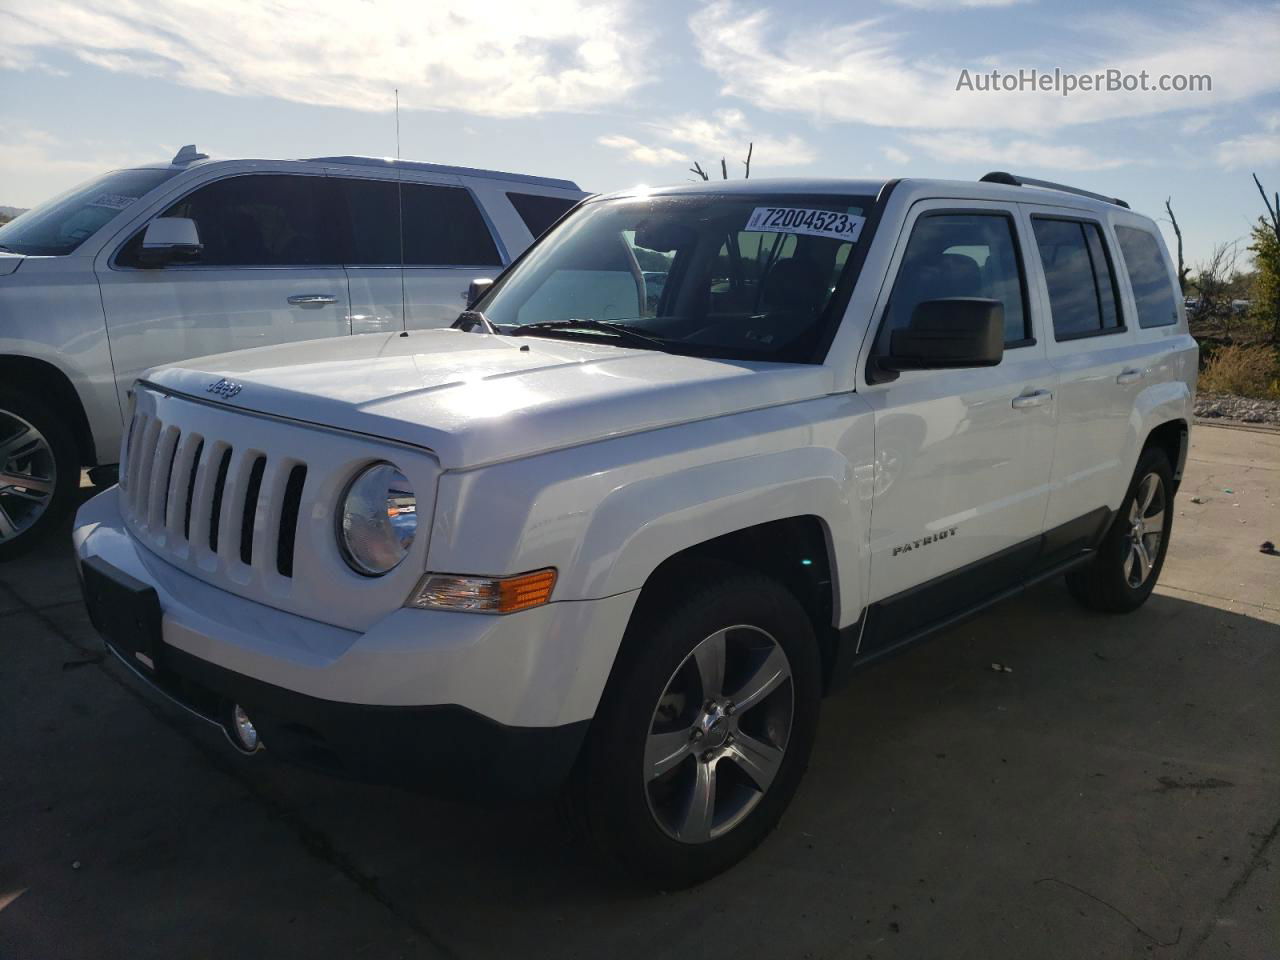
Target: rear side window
442	225
539	213
1149	277
259	220
1083	297
961	255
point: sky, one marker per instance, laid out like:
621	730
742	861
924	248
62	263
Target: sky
611	93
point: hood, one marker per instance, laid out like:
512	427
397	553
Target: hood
10	262
474	398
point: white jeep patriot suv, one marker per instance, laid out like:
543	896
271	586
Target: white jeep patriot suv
699	452
197	256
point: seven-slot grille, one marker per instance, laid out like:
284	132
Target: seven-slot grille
207	497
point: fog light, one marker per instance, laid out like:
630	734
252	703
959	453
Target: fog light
242	732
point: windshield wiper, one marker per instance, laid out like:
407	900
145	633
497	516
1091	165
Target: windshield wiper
626	334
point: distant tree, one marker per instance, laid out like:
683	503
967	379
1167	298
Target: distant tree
1177	232
724	167
1265	247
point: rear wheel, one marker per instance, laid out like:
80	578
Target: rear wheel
39	472
1129	560
705	729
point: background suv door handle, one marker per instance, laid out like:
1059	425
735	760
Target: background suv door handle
1129	375
1032	398
311	299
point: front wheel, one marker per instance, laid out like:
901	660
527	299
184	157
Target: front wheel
705	729
1124	572
39	471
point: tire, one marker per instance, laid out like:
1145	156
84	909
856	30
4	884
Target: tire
36	446
657	698
1121	577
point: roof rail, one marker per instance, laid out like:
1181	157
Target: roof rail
457	171
998	176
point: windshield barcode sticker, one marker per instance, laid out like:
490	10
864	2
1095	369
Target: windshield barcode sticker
817	223
112	201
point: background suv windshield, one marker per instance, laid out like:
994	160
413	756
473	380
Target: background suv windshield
737	277
57	227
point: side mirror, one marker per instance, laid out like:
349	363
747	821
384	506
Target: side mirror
477	289
949	334
170	240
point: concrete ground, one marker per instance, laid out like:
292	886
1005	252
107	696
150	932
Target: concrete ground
1116	795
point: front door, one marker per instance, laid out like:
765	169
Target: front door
269	272
962	456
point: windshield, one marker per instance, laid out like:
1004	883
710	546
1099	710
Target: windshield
738	277
58	226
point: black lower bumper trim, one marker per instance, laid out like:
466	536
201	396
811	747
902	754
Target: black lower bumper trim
445	749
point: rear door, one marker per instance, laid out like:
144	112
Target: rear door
962	457
269	272
1099	366
431	224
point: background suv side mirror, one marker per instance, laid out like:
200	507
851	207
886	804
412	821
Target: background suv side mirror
948	334
477	289
170	240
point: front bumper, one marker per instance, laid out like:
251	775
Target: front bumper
471	705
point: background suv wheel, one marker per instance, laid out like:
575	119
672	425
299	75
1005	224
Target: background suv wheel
39	472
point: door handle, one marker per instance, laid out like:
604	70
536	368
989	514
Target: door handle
1035	398
1129	375
311	299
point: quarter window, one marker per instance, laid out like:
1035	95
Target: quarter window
1083	297
442	225
1149	276
539	213
961	255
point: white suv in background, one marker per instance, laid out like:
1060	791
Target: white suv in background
622	533
160	263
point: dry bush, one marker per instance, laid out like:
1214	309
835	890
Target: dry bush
1246	371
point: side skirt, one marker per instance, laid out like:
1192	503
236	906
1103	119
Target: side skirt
891	625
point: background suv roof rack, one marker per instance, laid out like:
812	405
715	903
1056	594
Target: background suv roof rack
998	176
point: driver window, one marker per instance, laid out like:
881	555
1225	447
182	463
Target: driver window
961	255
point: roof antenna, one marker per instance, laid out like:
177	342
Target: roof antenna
404	312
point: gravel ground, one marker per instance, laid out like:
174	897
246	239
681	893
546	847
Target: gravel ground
1227	406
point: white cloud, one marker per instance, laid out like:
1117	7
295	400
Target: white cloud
643	152
859	72
1194	124
1026	155
954	4
894	155
726	133
501	58
1250	151
45	165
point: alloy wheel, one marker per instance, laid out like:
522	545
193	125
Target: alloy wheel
28	475
1146	529
719	734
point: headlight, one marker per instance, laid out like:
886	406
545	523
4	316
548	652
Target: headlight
378	520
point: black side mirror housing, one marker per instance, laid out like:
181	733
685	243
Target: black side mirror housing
948	334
